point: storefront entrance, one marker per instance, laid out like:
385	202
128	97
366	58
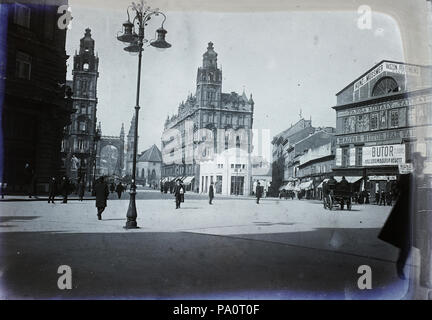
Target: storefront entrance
237	184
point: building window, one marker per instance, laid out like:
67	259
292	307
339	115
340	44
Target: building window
349	124
394	118
345	157
374	121
23	66
80	144
359	156
22	15
85	66
237	142
383	119
82	126
411	116
362	123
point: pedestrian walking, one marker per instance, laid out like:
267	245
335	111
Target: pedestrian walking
382	198
65	188
178	193
3	187
81	190
112	187
258	192
211	193
119	190
29	179
52	186
101	192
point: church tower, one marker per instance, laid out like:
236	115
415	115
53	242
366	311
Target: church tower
209	81
80	141
130	147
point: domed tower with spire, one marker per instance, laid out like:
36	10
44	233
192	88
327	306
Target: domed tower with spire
82	132
209	80
130	147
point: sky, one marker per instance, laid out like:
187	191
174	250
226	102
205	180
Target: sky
287	60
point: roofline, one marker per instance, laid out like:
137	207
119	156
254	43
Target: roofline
383	98
369	70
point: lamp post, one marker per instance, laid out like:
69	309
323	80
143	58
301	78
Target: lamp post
142	15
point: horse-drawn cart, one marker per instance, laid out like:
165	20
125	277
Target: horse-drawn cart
339	194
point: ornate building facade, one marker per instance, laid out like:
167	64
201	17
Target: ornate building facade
207	124
79	146
382	117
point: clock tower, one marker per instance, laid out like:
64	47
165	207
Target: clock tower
209	81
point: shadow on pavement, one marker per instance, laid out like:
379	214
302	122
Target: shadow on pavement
163	265
16	218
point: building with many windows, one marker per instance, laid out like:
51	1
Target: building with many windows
382	117
35	103
207	124
282	143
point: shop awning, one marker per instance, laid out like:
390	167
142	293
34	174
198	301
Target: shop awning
308	185
349	179
288	186
381	178
321	184
188	180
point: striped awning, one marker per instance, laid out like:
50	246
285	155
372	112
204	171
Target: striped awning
349	179
188	180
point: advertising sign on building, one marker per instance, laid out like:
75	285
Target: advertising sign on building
338	157
385	155
405	168
352	158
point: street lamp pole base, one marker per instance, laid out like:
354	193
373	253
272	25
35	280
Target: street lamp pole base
131	213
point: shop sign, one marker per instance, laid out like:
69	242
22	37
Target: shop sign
338	157
405	168
385	155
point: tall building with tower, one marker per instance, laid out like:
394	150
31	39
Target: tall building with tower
80	143
209	125
130	148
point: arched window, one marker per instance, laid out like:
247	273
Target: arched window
142	173
85	66
384	86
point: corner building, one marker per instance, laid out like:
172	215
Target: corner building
382	117
217	112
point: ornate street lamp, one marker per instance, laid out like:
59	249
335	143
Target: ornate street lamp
133	34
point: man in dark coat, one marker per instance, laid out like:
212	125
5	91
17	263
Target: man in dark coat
65	188
258	192
119	190
178	193
81	190
101	192
52	189
211	193
399	228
